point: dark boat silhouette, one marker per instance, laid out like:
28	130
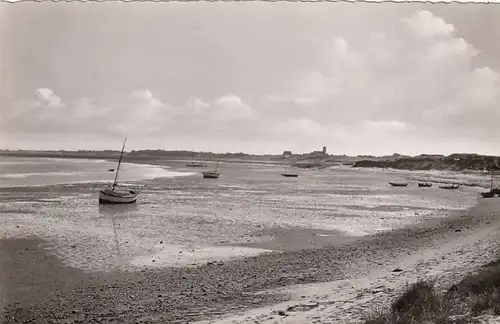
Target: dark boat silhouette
289	175
212	174
399	184
425	184
452	186
488	194
492	192
196	165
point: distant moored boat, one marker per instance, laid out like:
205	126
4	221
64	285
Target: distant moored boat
399	184
212	174
425	184
452	186
488	194
492	192
194	164
289	175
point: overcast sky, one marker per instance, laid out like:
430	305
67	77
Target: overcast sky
254	77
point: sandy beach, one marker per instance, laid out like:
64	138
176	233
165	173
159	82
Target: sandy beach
337	282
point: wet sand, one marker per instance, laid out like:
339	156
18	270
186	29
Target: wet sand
38	288
294	239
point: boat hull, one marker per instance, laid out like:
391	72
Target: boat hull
489	194
210	175
290	175
398	184
114	197
448	187
425	185
196	165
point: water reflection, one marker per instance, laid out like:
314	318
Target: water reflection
114	212
117	211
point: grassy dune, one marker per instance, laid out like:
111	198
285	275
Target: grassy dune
464	302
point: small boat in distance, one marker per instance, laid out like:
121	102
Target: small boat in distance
289	175
492	192
112	195
488	194
426	183
212	174
452	186
399	184
195	164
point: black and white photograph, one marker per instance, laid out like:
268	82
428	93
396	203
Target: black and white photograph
233	162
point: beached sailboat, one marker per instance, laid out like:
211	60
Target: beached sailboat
399	184
113	195
194	164
289	175
491	193
212	174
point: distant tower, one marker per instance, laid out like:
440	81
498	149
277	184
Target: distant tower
324	150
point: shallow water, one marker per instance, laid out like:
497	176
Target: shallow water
183	219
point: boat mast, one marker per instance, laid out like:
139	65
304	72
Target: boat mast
119	162
491	184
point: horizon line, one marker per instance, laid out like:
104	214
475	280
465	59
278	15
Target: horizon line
234	153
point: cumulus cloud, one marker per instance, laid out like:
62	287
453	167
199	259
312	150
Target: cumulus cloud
197	106
230	108
48	97
425	24
420	78
225	116
139	114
